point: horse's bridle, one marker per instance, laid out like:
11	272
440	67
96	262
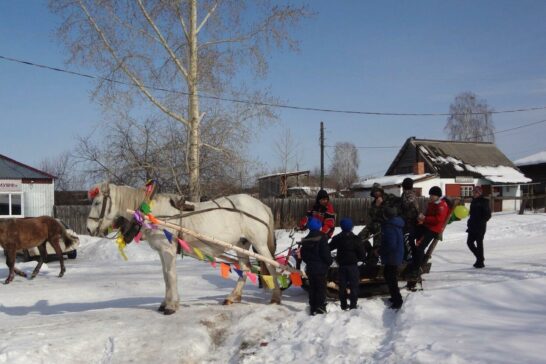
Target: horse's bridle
106	197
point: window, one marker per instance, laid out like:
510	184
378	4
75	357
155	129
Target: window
11	204
466	191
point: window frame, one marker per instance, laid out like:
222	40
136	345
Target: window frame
10	205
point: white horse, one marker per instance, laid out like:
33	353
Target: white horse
238	219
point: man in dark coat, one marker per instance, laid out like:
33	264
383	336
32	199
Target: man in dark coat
480	213
316	255
375	218
392	253
323	210
409	210
350	251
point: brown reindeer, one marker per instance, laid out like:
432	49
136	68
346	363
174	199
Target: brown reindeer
17	234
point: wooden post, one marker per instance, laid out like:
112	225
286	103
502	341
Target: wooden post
210	239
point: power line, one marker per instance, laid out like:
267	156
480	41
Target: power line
467	139
248	102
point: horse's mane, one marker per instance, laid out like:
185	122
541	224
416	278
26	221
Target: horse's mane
127	197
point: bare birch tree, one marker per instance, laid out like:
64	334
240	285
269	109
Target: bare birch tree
470	119
190	47
345	164
286	149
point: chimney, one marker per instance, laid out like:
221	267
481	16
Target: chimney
419	168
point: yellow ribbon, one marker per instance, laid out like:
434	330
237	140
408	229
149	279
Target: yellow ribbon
121	246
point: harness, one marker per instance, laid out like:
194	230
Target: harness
106	197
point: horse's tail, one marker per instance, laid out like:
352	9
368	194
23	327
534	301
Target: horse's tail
69	237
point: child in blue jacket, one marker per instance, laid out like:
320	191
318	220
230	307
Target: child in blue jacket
392	252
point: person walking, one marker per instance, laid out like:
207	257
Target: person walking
350	250
392	253
480	213
316	255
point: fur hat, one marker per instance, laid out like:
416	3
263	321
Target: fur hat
436	191
314	224
477	189
407	183
322	194
346	224
389	211
376	187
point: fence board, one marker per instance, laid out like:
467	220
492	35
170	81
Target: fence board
75	216
287	212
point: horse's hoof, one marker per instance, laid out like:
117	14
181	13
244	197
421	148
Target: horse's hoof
161	308
275	302
60	275
227	302
33	276
168	311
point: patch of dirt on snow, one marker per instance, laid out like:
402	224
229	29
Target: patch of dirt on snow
217	326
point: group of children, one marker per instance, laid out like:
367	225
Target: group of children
394	223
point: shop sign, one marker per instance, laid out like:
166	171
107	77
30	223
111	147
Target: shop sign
10	185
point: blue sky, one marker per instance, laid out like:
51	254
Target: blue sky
387	56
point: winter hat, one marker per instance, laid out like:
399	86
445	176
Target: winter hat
322	194
346	224
314	224
376	187
407	183
389	211
436	191
477	189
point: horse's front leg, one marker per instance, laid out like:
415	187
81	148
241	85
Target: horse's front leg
167	253
235	295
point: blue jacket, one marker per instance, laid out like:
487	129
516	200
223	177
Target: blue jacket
392	243
315	253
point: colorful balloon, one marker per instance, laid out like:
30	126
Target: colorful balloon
460	212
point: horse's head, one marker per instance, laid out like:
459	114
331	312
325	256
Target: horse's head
102	214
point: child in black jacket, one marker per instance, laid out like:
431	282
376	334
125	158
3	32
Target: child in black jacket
316	255
350	250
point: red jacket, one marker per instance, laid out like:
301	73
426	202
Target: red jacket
436	216
326	215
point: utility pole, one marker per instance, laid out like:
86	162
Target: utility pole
321	155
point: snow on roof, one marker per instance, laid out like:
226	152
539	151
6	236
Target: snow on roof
536	158
293	173
500	174
388	180
311	191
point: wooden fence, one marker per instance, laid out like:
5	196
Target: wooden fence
75	216
287	212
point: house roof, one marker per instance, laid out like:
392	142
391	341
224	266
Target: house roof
387	181
11	169
537	158
287	174
450	159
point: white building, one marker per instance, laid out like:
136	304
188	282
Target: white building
24	191
454	166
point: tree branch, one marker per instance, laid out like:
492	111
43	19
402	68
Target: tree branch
163	41
212	10
124	68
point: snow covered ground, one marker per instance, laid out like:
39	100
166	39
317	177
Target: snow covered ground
104	310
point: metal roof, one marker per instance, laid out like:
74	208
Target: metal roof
450	159
11	169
